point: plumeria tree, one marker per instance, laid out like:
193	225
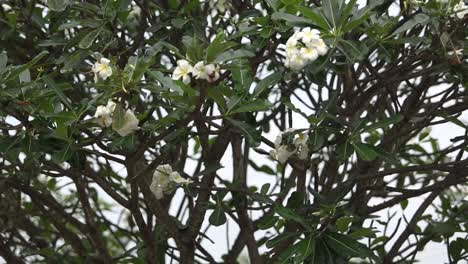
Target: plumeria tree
138	131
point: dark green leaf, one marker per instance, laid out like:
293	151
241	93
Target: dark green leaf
218	217
51	84
365	151
418	19
383	123
251	134
57	5
267	221
218	46
266	82
305	248
317	18
346	246
89	38
253	106
3	61
19	69
232	55
343	223
290	18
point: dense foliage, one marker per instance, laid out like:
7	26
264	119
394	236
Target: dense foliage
128	128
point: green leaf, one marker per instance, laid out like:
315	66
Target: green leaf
19	69
454	120
218	217
194	48
344	151
218	46
57	5
355	23
287	255
316	18
218	97
234	54
265	188
343	223
418	19
296	200
89	38
362	232
347	11
166	81
241	74
290	214
273	242
365	151
404	204
252	135
290	18
51	84
346	246
253	106
63	155
266	82
304	249
383	123
323	254
330	10
3	61
267	221
261	198
208	170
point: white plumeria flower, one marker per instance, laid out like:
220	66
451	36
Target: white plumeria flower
135	13
102	69
164	179
309	54
458	53
319	45
161	180
291	44
6	7
278	140
130	124
219	5
460	9
301	139
309	34
103	115
303	152
281	154
182	70
209	72
304	47
297	61
176	178
301	144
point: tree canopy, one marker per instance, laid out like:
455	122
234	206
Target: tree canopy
302	129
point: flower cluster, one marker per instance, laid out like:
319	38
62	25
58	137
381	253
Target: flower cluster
460	9
219	5
102	70
289	143
165	181
104	118
304	47
200	70
103	115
